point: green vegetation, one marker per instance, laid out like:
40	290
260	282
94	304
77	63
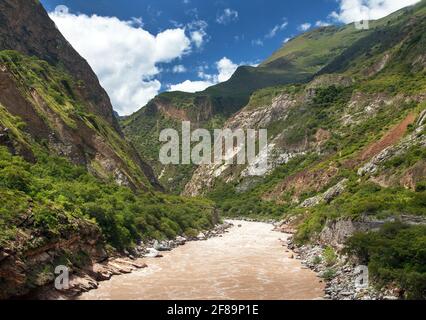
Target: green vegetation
368	82
234	202
376	78
54	95
316	48
57	194
144	135
330	256
406	160
14	124
328	274
396	254
180	100
317	260
295	64
360	200
264	97
53	85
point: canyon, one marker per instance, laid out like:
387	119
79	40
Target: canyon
345	181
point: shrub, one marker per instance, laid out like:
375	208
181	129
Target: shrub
328	274
395	254
330	256
316	260
421	186
14	177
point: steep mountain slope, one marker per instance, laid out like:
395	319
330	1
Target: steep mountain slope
346	155
384	68
26	27
300	59
73	191
54	91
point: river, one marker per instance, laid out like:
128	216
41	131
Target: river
248	263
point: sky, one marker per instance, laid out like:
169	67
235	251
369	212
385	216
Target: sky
139	48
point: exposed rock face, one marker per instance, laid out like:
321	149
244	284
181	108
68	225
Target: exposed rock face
415	138
327	196
327	80
378	66
24	268
248	118
200	113
51	101
335	233
300	182
88	278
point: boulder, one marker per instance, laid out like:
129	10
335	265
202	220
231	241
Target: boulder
152	253
180	240
162	246
201	236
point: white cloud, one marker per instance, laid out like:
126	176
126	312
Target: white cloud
191	86
357	10
305	26
227	16
276	29
225	69
320	23
286	40
198	38
137	22
123	55
197	31
179	69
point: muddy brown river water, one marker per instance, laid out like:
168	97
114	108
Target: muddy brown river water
247	263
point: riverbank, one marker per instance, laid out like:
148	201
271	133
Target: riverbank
248	262
89	278
343	275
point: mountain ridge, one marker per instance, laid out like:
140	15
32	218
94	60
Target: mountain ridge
213	106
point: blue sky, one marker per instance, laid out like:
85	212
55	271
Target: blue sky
139	48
